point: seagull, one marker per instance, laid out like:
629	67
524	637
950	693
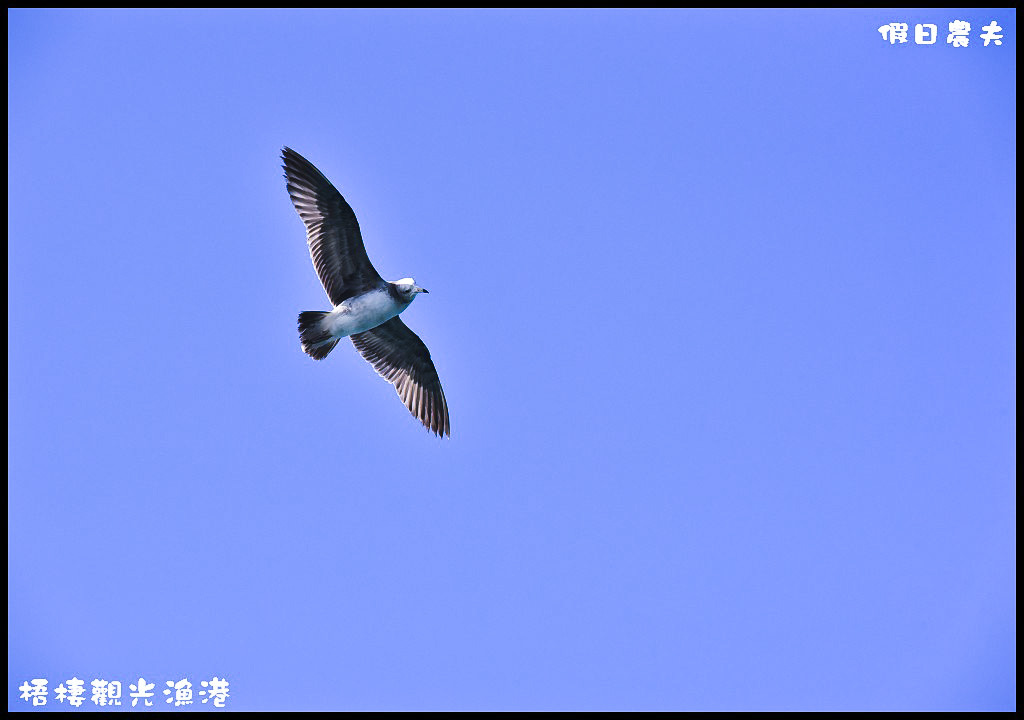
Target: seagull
366	307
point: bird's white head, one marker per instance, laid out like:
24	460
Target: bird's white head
408	288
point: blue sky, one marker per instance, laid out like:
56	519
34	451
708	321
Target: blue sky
723	303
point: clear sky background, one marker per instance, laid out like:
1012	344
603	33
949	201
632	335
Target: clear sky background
723	304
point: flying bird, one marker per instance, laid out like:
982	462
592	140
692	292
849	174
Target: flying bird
366	307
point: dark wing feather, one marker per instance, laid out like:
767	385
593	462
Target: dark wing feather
332	231
401	358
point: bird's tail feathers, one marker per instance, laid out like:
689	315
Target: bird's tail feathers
315	336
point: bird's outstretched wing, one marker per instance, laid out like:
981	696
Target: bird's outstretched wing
401	358
331	231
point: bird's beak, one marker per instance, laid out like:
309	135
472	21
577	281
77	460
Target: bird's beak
424	290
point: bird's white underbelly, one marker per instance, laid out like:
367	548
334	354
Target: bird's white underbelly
362	313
